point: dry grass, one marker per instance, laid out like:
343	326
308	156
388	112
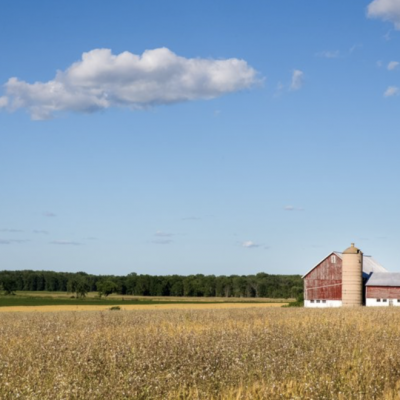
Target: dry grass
252	353
143	307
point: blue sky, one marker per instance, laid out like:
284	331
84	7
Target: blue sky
198	137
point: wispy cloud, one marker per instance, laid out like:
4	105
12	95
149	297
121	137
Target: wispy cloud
163	234
297	80
329	54
49	214
248	244
162	241
191	218
66	243
354	48
387	36
292	208
392	65
40	232
8	230
13	241
391	91
217	113
387	10
101	80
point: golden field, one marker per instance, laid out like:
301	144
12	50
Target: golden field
231	353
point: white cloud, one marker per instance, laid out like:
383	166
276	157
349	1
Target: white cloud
101	80
66	243
49	214
250	245
162	241
391	91
388	10
3	101
297	80
163	234
12	241
392	65
292	208
329	54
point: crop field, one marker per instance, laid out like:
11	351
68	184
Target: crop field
231	353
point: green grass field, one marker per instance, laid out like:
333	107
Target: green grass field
63	298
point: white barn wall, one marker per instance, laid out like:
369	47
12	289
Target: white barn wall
328	304
375	303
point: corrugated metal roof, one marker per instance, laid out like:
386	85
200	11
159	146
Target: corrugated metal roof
384	279
370	265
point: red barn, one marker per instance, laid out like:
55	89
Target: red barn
383	289
323	283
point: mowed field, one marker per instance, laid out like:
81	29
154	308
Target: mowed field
127	297
62	301
231	353
143	307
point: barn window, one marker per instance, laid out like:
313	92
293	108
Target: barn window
398	300
384	300
318	301
324	301
312	301
378	300
333	259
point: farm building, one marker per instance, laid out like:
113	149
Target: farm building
350	279
383	289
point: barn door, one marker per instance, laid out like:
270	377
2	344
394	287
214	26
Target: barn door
390	302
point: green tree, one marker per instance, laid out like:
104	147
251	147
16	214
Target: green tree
8	284
78	285
105	288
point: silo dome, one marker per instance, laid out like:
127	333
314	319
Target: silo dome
352	250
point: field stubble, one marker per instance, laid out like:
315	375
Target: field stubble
253	353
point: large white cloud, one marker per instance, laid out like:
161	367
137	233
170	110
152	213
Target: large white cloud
388	10
101	80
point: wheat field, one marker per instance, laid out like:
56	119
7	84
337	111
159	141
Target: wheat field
232	353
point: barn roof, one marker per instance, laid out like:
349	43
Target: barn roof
370	265
384	279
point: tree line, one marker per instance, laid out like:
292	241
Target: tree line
259	285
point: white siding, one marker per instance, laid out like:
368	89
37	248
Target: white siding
381	303
321	304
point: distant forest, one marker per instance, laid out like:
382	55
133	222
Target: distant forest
260	285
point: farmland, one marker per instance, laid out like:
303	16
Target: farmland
231	353
40	299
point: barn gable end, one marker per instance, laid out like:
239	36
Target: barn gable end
324	282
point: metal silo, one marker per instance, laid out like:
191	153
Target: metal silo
352	284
